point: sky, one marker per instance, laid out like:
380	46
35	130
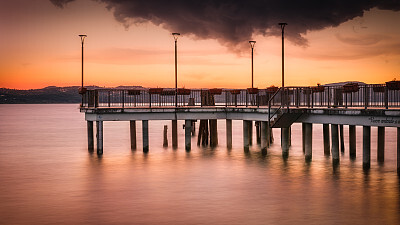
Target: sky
130	42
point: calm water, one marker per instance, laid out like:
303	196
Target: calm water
47	176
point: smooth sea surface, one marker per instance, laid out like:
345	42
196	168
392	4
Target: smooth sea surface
47	176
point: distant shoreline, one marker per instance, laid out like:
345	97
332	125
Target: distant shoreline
48	95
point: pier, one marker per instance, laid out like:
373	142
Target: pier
334	106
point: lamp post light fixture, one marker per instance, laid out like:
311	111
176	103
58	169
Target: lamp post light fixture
176	35
283	60
82	36
252	43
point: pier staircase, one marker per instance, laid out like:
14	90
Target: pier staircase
282	117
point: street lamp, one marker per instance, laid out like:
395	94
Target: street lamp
252	43
82	41
283	60
176	35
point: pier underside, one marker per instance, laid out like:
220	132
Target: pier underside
359	117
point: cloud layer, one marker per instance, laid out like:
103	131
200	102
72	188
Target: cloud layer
234	22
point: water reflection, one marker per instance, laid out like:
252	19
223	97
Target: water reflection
336	167
252	183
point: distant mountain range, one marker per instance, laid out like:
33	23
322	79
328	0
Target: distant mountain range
49	94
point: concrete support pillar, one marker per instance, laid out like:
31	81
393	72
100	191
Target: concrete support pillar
132	125
258	131
145	133
285	142
341	138
229	133
90	136
366	147
303	136
99	127
398	150
308	142
246	132
381	144
250	132
188	135
327	143
165	136
264	136
335	143
352	141
174	133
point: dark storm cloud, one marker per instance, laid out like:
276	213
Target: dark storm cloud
233	22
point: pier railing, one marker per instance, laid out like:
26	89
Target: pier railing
350	96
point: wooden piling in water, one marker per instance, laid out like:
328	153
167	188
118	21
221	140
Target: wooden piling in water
90	136
193	127
285	142
366	147
303	136
327	144
203	133
271	136
308	142
250	123
229	133
335	143
99	127
381	144
341	137
132	126
352	141
398	150
213	133
264	136
145	133
188	136
174	133
165	135
258	132
246	142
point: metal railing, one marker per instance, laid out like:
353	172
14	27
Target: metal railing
361	96
271	99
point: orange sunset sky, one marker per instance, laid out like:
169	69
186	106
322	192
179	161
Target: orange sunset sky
40	47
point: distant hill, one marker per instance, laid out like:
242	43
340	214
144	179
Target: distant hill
49	94
343	83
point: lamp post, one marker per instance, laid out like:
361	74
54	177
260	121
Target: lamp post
176	35
283	60
252	43
82	41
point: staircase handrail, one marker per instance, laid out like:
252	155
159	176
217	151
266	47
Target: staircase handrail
269	107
